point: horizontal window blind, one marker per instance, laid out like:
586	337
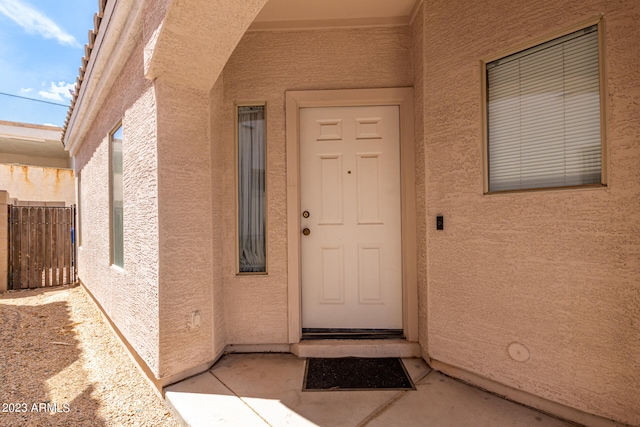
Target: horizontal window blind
543	115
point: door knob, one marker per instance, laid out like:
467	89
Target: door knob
305	214
306	231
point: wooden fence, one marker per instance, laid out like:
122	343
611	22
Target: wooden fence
41	246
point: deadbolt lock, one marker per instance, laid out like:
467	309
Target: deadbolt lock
305	214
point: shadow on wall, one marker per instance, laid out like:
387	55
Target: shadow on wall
42	380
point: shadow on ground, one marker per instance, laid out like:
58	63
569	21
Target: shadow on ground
42	381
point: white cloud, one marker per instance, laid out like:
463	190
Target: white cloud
58	91
35	22
27	90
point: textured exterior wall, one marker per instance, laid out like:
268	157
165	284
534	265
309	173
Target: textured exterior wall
153	14
38	184
198	36
130	295
262	68
418	60
218	207
186	48
557	271
185	224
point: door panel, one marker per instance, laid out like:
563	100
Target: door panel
331	189
350	186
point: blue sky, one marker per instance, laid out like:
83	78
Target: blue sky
41	46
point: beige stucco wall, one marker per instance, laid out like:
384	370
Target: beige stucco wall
185	225
218	207
24	159
194	40
163	302
418	61
130	295
184	130
263	66
185	50
557	271
38	184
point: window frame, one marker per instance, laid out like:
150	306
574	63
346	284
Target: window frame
112	248
78	230
237	189
599	22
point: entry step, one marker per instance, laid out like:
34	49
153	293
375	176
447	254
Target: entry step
356	348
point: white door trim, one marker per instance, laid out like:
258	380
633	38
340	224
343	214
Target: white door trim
402	97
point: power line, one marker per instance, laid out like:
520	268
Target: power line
32	99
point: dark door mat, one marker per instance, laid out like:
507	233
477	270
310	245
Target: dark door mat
356	373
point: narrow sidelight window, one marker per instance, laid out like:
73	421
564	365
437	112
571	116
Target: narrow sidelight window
78	230
543	115
117	230
252	247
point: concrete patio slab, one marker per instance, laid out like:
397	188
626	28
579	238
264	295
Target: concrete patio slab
203	401
266	389
272	385
442	401
416	368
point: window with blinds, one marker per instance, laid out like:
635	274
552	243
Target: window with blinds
543	115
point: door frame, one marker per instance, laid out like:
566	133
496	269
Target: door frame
403	98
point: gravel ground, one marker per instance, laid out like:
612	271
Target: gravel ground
61	365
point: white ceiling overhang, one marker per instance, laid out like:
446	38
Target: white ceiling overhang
181	44
306	14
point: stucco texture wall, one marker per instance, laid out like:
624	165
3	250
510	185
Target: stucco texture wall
38	184
217	137
185	50
130	295
557	271
193	42
167	275
417	57
264	66
185	225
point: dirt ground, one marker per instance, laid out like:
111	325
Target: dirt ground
61	365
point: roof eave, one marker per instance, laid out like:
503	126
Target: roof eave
109	46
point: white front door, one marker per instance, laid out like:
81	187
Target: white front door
350	205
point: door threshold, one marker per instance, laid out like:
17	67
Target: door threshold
351	334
